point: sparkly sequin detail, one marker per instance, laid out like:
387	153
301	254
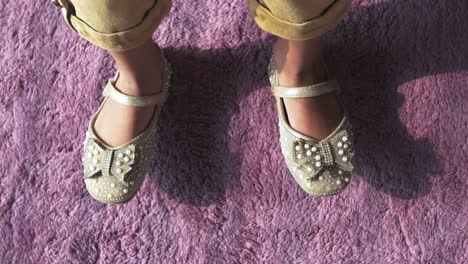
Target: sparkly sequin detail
320	167
114	175
107	162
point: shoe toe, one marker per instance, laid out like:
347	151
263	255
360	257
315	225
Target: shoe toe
320	167
329	182
114	176
107	189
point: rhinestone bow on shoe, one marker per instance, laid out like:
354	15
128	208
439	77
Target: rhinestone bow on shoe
108	161
320	167
113	175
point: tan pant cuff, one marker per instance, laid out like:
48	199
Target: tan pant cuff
123	40
309	29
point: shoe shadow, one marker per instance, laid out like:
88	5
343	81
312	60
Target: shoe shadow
199	162
402	46
198	165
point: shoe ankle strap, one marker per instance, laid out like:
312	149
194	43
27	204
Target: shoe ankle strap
138	101
306	91
303	91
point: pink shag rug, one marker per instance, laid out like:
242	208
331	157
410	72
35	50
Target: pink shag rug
219	192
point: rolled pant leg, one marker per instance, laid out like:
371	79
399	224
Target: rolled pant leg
114	25
298	19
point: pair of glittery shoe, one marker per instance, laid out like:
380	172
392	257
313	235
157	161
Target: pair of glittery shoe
113	175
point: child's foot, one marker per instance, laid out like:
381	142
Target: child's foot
315	117
140	74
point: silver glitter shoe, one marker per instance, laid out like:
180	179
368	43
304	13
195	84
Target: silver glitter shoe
320	167
113	175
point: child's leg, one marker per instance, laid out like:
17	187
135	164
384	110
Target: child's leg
300	64
124	29
140	74
298	56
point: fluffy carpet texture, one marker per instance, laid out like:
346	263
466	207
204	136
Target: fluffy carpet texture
219	191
